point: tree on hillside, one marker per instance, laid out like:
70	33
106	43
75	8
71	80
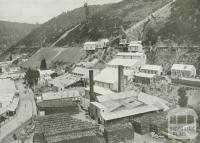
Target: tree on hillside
150	37
10	58
32	76
184	21
183	99
43	65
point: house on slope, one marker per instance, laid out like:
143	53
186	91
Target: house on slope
65	81
148	74
128	55
152	69
144	78
90	46
183	71
103	43
123	45
135	46
84	73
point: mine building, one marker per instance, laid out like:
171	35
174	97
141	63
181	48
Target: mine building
181	70
152	69
124	106
135	46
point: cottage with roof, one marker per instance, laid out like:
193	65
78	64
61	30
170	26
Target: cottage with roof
128	55
65	81
128	64
123	45
84	73
90	46
135	46
148	74
144	78
103	43
181	70
152	69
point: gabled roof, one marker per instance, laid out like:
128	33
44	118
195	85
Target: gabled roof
110	75
130	112
46	72
137	54
151	67
182	67
145	75
116	96
84	71
123	62
136	43
90	43
100	90
120	105
81	70
65	80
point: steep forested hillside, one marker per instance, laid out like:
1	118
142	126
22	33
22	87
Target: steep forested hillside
104	21
184	23
114	20
50	31
12	32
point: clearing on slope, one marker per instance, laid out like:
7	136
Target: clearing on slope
53	55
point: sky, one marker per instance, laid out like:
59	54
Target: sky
32	11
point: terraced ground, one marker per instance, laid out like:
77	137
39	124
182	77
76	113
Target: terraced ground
53	55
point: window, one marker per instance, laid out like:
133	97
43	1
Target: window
190	119
182	119
173	120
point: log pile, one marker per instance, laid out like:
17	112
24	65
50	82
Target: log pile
61	128
119	133
151	122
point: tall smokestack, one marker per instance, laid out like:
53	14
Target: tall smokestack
120	78
92	96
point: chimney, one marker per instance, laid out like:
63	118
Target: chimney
120	78
92	96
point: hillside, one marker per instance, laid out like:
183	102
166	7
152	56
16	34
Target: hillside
112	21
12	32
104	21
178	39
50	31
54	55
183	24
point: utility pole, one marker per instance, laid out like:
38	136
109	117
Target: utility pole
87	12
